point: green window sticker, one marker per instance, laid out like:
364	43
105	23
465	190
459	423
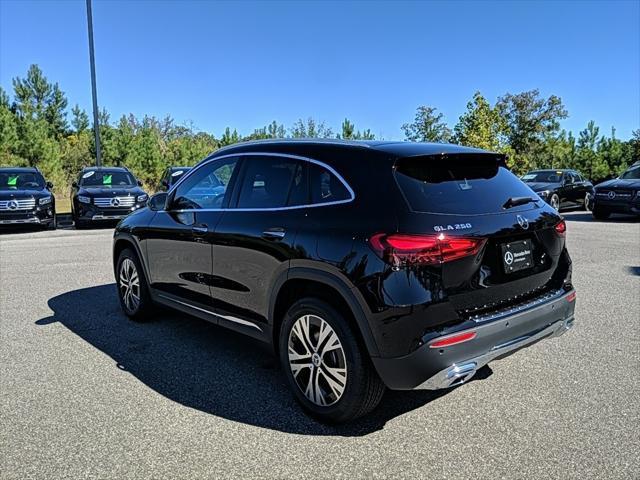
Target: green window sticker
12	181
106	179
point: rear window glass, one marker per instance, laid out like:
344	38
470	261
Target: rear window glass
463	185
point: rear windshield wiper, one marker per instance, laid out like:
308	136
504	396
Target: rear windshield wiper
515	201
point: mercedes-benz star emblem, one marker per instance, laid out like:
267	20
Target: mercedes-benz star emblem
12	205
611	195
523	222
508	258
115	202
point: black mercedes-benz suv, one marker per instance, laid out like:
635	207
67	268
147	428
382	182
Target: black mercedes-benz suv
26	198
560	188
105	194
620	195
364	265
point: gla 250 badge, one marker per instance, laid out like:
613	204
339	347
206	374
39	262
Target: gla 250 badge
455	226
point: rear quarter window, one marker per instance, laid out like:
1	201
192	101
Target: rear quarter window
460	185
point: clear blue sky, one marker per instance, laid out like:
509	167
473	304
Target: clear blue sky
243	64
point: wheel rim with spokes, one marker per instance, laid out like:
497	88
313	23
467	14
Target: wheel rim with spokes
317	360
129	285
555	202
587	201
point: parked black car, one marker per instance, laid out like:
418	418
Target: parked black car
26	198
560	188
170	176
105	194
363	264
620	195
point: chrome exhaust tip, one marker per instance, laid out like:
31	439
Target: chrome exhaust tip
459	374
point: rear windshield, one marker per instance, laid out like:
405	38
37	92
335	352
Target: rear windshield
462	185
106	178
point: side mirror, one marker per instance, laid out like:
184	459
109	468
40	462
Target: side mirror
49	185
139	183
157	202
74	184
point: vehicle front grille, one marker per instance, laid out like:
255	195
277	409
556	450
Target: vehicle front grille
511	306
114	202
18	204
613	194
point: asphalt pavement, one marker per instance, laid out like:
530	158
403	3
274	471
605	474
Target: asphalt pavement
85	393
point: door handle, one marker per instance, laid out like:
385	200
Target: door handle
199	229
275	233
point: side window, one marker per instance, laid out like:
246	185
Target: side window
577	177
568	178
325	186
267	181
207	187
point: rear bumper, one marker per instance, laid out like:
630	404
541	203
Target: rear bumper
444	367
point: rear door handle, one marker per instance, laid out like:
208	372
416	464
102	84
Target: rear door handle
199	229
275	233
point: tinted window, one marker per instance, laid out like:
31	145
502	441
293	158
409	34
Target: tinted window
465	185
543	177
577	177
21	180
207	187
267	181
106	178
325	186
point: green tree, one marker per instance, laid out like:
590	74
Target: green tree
80	120
349	132
427	126
481	126
529	120
229	137
37	99
310	129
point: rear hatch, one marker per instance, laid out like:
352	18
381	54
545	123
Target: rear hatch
514	240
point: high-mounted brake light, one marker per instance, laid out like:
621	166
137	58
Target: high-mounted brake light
453	340
401	249
561	228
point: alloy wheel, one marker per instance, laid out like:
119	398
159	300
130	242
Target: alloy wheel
317	360
129	285
587	201
555	202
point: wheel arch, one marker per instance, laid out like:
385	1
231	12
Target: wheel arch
123	241
299	282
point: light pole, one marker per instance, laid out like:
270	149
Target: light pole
96	124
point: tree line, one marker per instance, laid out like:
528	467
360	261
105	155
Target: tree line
37	130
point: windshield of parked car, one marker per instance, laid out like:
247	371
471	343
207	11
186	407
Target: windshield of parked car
631	174
16	180
542	177
107	178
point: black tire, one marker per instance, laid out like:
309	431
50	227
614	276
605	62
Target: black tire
143	308
600	214
362	390
554	201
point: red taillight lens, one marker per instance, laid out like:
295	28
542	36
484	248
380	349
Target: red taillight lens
561	228
571	297
453	340
401	249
